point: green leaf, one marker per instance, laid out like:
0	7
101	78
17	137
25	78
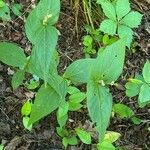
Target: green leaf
132	20
25	123
87	40
84	136
99	103
73	90
78	71
123	111
43	51
111	136
46	101
125	32
144	96
12	55
132	88
146	71
106	39
46	10
62	132
69	141
109	64
105	146
109	10
77	97
74	106
4	12
136	120
26	109
62	113
122	8
108	26
17	79
16	8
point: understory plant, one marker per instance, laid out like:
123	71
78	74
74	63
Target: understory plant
140	85
60	92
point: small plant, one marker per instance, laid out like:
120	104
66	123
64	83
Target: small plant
120	20
140	85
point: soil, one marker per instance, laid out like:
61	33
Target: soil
43	136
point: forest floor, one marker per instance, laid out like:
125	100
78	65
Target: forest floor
44	136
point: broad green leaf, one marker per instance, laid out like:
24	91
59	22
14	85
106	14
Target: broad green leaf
123	111
108	26
12	55
73	90
4	12
127	33
109	10
109	64
46	11
46	101
146	71
111	136
74	106
78	71
132	20
122	8
54	80
16	8
43	51
106	39
25	123
84	136
77	97
144	95
132	88
99	103
105	146
26	109
17	79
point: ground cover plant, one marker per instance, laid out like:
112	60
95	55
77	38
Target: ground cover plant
86	83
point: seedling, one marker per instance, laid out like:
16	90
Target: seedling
120	20
140	85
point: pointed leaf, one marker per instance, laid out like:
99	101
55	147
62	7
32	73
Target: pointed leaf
99	103
122	8
123	111
47	10
108	26
144	96
132	20
146	71
109	64
111	136
78	71
109	10
12	55
132	89
124	31
46	101
84	136
77	97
